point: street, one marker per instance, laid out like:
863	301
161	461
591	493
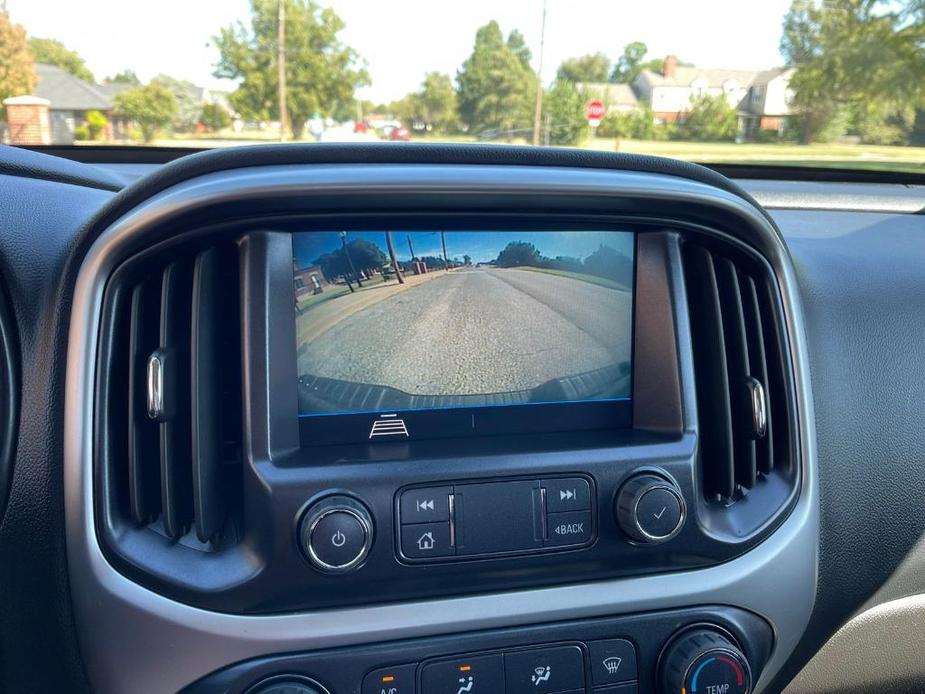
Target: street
475	331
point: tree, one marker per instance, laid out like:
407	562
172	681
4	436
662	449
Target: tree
629	65
496	83
54	52
124	77
17	68
321	71
214	117
593	67
467	259
710	119
860	56
518	254
187	96
434	104
152	107
633	61
564	104
96	124
437	100
364	254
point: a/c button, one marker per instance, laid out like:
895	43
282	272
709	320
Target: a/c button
572	528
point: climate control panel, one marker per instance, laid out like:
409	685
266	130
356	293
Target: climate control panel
709	650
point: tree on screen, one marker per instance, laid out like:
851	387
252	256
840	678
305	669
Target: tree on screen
364	254
519	253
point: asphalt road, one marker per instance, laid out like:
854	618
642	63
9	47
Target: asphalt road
477	331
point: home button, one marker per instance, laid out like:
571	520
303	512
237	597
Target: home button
426	540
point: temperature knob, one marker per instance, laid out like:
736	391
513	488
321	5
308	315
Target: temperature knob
704	661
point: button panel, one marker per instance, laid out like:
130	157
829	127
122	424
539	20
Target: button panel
461	520
547	669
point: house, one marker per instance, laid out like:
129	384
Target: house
616	98
760	96
309	280
70	98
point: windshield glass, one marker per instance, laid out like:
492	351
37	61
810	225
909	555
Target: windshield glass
779	82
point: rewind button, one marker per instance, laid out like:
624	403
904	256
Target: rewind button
430	505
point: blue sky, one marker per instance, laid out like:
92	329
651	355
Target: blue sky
401	40
482	246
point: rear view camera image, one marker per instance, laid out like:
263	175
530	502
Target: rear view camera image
413	320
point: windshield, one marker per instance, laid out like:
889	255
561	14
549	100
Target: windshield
778	82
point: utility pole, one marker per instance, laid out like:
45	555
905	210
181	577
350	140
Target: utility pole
281	65
411	248
388	242
356	275
446	261
539	83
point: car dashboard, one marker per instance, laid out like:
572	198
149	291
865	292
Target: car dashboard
680	453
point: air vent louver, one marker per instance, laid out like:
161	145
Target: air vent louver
740	368
176	324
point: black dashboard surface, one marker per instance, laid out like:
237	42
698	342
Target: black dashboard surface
862	287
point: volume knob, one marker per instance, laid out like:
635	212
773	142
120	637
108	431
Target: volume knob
650	508
336	534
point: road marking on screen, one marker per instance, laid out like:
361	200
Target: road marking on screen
389	425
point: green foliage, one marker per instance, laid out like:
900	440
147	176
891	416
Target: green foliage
496	83
593	67
710	119
638	124
96	124
564	105
519	254
861	56
17	68
321	71
54	52
633	61
187	96
124	77
364	254
81	133
434	104
214	117
629	65
152	108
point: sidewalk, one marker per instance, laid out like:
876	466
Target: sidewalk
316	321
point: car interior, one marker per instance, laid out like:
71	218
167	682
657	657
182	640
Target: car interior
174	521
468	417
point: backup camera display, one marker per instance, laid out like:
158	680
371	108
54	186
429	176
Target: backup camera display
395	321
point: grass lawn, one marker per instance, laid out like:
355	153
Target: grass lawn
869	157
591	279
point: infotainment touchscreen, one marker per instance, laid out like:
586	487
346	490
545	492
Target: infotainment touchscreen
407	334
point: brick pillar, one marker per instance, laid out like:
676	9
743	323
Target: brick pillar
28	119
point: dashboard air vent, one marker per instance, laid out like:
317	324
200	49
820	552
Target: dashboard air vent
740	368
176	339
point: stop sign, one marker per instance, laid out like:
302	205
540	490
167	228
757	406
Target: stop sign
594	111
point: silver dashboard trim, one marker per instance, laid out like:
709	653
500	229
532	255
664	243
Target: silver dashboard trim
134	639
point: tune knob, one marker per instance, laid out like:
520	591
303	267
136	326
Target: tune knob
704	661
650	508
336	534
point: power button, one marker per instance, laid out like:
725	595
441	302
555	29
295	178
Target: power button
336	534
